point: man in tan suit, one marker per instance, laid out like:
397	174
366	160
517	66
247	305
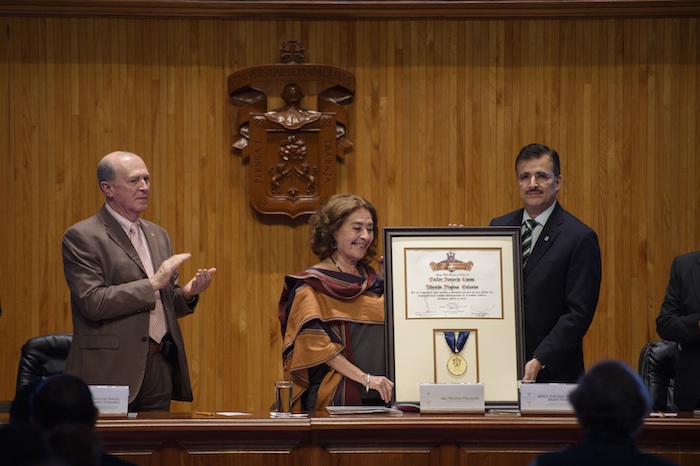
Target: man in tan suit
125	299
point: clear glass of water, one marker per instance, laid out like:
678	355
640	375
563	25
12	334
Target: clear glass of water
283	397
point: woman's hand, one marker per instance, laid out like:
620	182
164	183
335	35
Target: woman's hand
383	385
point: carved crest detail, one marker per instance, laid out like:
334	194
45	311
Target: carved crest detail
292	149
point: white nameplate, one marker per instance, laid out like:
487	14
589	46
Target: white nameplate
452	398
546	398
111	399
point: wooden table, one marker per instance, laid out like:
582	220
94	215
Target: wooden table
410	439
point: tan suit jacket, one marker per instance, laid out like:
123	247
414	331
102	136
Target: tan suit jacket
110	300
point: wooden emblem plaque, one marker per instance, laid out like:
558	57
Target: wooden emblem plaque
292	150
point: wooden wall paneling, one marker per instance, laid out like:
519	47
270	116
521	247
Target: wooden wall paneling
654	242
8	187
441	109
485	9
399	160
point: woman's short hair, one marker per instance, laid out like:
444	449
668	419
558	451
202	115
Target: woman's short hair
611	398
329	217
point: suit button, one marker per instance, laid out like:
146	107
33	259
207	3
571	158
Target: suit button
144	339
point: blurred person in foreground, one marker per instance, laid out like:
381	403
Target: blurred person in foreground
23	445
679	321
125	297
611	403
62	408
332	314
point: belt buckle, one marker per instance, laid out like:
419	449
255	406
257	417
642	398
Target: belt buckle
154	348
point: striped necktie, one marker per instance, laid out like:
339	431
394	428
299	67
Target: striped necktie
157	327
530	225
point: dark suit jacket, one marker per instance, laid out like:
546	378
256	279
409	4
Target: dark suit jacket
592	451
678	321
110	300
561	284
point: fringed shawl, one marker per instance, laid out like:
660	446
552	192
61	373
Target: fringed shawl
314	309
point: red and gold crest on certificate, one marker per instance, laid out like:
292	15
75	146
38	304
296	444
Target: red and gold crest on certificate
292	149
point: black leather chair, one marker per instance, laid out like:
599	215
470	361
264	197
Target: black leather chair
42	357
657	363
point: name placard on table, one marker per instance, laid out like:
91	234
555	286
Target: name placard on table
111	399
452	398
546	398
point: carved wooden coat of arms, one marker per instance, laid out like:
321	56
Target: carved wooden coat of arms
292	150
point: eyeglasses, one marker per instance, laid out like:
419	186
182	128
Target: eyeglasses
540	177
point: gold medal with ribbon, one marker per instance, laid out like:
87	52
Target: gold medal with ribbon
456	365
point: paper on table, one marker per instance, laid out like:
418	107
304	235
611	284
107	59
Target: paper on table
288	415
362	410
222	413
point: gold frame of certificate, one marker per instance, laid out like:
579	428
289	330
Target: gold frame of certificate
454	309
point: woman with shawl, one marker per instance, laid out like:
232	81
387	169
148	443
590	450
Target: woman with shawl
332	314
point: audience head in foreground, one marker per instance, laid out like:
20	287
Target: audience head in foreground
62	399
62	408
611	400
611	403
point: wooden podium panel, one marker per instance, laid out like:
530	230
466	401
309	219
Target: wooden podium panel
475	440
410	439
192	440
437	439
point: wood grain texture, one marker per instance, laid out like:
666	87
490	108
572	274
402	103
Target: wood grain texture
441	109
354	9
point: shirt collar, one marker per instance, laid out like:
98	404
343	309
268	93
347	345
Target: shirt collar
542	218
123	221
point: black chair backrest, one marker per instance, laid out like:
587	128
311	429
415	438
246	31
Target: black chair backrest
657	363
42	357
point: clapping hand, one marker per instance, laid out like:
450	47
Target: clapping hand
199	283
166	270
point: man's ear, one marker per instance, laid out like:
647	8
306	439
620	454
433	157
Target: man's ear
106	188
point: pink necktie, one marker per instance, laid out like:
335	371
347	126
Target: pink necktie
156	324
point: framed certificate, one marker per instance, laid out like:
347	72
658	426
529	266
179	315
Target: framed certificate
454	309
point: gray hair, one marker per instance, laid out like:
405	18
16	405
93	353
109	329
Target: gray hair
105	171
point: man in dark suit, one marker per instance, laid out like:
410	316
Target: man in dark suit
679	321
561	275
125	298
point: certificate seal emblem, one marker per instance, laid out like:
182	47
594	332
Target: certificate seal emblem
457	365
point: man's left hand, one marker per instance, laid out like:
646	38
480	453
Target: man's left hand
199	283
532	368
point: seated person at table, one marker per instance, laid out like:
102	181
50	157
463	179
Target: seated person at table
332	314
679	321
611	403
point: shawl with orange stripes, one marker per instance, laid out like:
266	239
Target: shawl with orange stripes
314	307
